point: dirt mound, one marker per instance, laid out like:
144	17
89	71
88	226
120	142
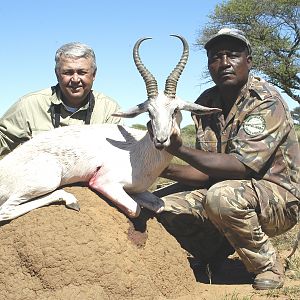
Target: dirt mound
97	253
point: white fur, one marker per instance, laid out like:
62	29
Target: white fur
110	158
114	160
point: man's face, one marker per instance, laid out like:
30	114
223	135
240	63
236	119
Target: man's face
75	77
229	63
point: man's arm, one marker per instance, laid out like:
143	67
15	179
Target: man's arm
13	130
203	165
185	174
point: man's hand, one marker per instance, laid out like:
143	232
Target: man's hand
175	142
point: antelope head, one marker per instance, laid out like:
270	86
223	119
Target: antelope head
163	107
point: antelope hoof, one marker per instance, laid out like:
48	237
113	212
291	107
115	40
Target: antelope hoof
74	206
161	209
135	214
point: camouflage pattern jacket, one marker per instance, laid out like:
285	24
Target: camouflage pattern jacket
258	131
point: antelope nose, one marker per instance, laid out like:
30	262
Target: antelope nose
159	144
161	140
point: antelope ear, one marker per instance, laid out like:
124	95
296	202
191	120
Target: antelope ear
134	111
198	109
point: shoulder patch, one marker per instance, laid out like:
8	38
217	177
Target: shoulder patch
254	125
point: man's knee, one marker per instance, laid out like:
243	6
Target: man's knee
223	199
214	198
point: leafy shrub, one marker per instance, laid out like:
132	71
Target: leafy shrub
139	126
297	127
188	135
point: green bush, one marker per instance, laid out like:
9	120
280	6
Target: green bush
139	126
188	135
297	127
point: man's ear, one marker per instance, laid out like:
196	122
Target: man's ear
94	74
249	62
56	74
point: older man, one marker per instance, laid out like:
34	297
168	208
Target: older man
71	101
243	175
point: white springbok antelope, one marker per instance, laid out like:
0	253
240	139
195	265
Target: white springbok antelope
117	161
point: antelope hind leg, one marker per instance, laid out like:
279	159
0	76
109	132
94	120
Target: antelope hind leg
11	211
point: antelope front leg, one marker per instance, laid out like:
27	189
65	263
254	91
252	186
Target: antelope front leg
116	193
149	201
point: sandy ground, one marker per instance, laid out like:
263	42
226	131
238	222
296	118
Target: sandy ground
234	282
55	253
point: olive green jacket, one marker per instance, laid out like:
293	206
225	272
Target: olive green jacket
31	114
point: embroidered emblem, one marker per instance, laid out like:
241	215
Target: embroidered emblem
254	125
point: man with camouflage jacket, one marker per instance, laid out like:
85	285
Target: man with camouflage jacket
243	176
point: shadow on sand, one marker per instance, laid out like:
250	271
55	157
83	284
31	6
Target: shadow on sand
231	271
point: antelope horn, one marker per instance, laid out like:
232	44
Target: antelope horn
150	81
171	82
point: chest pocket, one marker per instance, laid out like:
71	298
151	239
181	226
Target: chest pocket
207	137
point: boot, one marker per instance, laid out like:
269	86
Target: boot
270	279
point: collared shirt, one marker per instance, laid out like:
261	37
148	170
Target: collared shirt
31	115
258	131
